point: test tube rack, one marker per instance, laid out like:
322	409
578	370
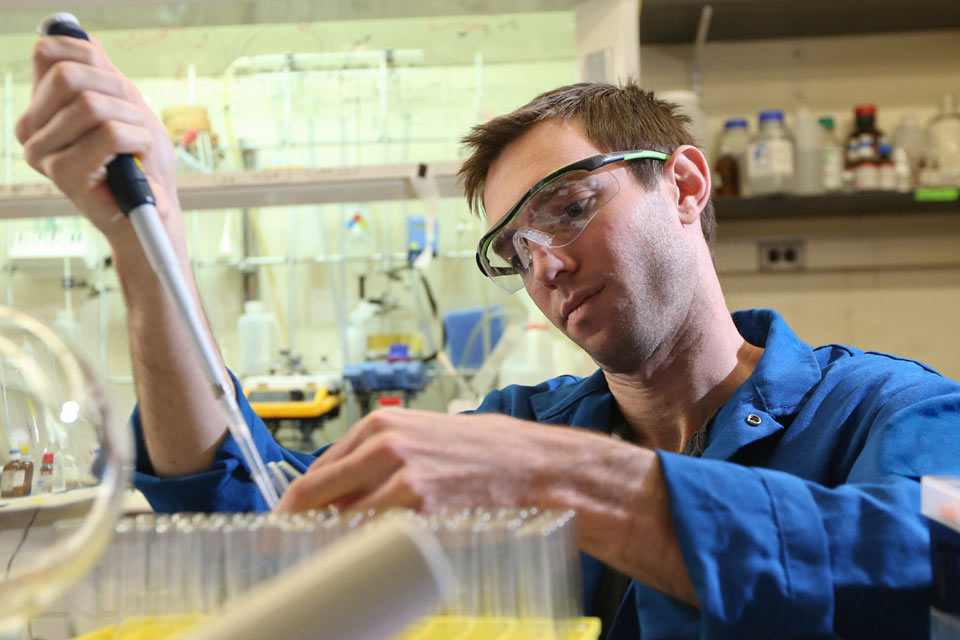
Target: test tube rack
515	572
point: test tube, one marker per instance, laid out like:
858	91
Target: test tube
214	580
188	554
234	560
549	575
497	566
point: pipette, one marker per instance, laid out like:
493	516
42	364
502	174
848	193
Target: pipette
132	192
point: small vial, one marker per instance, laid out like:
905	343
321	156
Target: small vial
26	464
45	483
12	477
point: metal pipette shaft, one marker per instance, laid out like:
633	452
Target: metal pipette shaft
160	253
132	192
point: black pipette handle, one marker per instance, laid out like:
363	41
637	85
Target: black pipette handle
125	178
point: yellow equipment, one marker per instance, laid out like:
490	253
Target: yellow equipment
293	407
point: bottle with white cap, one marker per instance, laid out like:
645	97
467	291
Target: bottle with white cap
255	338
770	160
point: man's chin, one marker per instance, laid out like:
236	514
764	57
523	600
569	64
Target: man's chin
616	355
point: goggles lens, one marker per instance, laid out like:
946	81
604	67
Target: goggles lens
552	217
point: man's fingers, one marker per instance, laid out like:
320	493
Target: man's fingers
379	421
86	112
395	493
81	167
369	466
61	86
52	49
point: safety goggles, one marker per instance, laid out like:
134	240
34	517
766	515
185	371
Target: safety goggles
553	213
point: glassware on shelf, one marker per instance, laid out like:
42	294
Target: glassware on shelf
914	142
945	143
770	161
863	149
831	156
14	482
731	162
808	153
45	481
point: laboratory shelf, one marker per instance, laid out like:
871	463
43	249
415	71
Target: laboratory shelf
266	188
376	183
44	509
675	21
878	203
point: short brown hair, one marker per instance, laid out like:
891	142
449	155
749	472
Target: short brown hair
614	118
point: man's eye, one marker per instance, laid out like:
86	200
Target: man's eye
575	209
570	208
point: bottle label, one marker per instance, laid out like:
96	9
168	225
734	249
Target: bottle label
868	148
769	158
832	169
19	477
867	177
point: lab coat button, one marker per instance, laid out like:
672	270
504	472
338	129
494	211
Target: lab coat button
754	420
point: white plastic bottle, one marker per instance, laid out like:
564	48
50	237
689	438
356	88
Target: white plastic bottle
533	361
255	339
832	157
770	161
913	140
945	140
689	105
808	154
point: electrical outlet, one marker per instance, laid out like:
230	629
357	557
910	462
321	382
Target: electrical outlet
783	255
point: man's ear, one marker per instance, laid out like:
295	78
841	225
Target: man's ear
688	171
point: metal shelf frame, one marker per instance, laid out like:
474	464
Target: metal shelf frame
250	189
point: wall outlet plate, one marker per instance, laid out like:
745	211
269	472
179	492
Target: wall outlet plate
783	255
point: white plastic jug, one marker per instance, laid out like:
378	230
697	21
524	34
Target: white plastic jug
255	339
533	361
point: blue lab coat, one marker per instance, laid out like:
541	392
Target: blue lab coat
801	519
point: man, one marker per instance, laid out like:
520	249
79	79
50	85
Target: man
794	512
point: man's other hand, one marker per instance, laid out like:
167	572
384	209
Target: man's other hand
430	461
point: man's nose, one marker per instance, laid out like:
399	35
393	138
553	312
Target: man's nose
548	263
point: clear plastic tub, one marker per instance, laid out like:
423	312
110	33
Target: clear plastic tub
941	505
943	626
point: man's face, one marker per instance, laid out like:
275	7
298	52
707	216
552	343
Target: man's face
623	288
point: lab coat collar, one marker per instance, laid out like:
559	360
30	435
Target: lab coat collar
786	371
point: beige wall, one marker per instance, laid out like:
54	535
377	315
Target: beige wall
889	283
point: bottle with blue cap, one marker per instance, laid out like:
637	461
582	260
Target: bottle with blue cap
770	158
730	166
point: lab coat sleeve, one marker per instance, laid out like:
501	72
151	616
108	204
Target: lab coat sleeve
773	555
227	484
